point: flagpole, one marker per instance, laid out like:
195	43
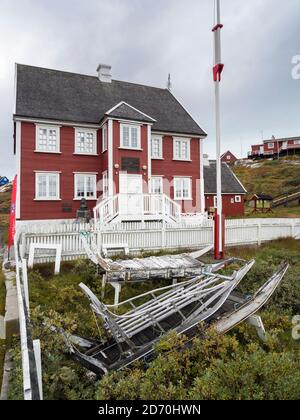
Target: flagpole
217	71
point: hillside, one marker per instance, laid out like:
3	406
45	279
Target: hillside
271	177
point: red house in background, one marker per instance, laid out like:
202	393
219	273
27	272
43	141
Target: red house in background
275	147
132	151
233	192
228	158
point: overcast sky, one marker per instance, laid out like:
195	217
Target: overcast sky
144	40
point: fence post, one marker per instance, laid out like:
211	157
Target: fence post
259	233
163	234
293	228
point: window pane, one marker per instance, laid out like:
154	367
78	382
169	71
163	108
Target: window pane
125	142
42	186
79	186
80	141
52	186
134	137
90	187
156	148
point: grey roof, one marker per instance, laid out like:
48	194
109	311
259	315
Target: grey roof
57	95
127	112
230	183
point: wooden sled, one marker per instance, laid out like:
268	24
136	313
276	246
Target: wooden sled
178	307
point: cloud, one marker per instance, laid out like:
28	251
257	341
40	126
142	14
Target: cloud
144	40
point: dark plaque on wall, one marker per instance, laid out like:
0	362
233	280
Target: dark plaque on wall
130	164
67	207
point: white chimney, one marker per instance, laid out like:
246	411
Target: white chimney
206	160
104	73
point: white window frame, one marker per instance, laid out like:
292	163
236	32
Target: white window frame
79	174
160	178
86	131
271	145
39	127
188	143
159	138
296	141
181	197
237	199
104	138
47	196
105	184
130	126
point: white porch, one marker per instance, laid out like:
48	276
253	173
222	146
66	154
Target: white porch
137	207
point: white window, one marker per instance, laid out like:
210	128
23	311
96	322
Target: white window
156	148
238	199
182	189
47	139
270	145
85	186
228	157
296	141
157	185
104	138
130	136
181	149
85	141
47	186
105	184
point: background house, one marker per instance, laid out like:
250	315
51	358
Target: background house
273	147
228	158
233	192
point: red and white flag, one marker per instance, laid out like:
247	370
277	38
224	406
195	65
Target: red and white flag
12	220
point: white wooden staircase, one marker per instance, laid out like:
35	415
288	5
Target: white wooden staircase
142	207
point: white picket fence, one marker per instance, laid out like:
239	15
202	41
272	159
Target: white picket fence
153	236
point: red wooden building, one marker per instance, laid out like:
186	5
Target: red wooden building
229	158
233	192
275	148
131	151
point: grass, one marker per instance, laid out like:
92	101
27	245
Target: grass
270	177
51	295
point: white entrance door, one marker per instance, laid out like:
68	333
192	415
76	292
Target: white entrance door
131	198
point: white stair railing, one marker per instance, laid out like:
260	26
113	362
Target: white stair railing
107	210
156	205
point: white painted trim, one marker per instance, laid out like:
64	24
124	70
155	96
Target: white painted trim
232	193
161	178
149	139
18	168
174	134
47	172
139	135
160	138
237	199
186	140
37	136
130	106
85	174
202	196
104	145
47	198
190	197
86	131
55	122
110	159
